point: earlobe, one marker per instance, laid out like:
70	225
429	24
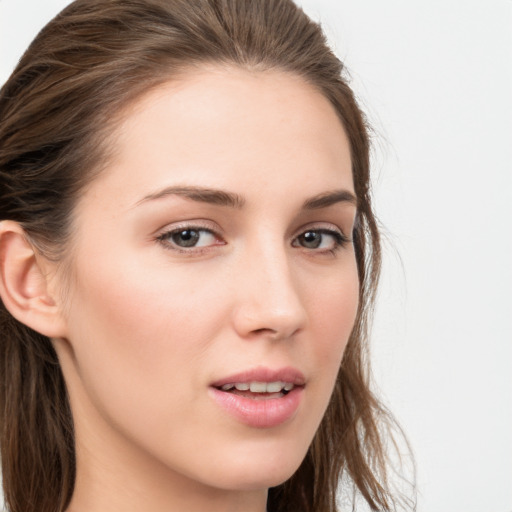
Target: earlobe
24	284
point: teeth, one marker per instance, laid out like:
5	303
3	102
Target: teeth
275	387
260	387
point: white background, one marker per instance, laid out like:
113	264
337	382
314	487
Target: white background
435	79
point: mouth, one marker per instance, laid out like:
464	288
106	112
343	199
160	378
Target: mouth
258	390
260	398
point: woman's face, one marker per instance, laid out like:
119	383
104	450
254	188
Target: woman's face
214	282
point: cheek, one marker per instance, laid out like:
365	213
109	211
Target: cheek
135	332
138	321
333	306
333	310
140	345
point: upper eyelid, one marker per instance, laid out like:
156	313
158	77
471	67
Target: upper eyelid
194	224
168	244
320	226
338	235
215	229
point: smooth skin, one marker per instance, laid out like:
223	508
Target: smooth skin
168	289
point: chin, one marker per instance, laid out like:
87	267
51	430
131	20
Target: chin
256	480
266	469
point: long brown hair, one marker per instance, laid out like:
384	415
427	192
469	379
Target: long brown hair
56	112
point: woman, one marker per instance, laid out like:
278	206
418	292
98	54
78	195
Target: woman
188	261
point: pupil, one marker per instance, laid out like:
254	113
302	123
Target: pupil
186	238
311	239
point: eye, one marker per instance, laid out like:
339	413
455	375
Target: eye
320	239
188	238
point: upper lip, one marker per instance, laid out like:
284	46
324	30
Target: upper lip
264	374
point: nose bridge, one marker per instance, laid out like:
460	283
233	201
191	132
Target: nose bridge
269	299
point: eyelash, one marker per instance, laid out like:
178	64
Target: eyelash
340	240
165	239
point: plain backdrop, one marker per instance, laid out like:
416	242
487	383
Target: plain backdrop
435	79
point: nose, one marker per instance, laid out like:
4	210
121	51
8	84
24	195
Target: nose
269	297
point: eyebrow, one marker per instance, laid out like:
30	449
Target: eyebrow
232	200
200	194
326	199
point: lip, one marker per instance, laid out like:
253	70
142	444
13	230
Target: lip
260	413
263	374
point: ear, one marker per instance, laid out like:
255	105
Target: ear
25	284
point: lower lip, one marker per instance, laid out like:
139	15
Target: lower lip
259	413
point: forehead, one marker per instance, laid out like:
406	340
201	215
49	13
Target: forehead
233	129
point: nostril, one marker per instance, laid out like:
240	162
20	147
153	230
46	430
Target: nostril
264	330
273	334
